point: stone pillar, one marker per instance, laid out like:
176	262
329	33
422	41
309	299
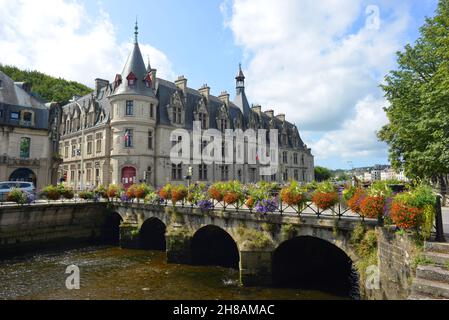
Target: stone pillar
178	240
129	236
256	268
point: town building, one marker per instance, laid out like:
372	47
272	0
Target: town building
121	132
29	138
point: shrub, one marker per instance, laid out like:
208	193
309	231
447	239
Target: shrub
101	191
292	194
86	195
17	196
178	193
153	198
141	191
372	206
113	191
165	192
356	200
51	193
65	192
405	216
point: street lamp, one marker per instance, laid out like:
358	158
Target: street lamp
189	175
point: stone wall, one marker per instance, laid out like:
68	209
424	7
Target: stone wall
40	226
395	258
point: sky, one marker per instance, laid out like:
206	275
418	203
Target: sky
319	62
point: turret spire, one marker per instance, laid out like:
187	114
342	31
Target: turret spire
136	32
240	80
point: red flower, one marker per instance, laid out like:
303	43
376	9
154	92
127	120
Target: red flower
325	200
372	207
404	216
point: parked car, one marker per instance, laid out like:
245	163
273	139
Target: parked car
7	186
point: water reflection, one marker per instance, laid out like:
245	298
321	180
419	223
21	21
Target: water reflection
114	273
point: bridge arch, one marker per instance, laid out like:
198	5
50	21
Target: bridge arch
111	228
314	263
212	245
152	235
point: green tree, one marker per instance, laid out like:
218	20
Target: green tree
322	174
418	92
48	88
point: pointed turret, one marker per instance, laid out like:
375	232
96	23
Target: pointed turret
240	99
134	77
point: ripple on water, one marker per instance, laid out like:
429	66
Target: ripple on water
114	273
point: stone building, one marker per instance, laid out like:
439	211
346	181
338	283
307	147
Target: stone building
28	138
121	133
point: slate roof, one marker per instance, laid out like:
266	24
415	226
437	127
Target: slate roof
13	98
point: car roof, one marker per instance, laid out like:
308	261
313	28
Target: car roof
1	182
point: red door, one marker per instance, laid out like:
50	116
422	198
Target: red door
128	176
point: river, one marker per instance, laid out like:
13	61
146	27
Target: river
114	273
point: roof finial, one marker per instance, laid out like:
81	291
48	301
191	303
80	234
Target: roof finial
136	32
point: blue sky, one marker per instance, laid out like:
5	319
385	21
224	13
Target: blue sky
320	62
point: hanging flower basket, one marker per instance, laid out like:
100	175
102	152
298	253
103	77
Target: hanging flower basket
372	207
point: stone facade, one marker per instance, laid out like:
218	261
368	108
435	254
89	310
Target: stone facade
26	228
121	133
27	139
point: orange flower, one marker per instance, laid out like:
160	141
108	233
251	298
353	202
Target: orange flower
325	200
404	216
356	200
230	198
372	207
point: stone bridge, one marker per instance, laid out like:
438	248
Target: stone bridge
271	249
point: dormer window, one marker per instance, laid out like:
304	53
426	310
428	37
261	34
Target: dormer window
131	79
147	80
117	81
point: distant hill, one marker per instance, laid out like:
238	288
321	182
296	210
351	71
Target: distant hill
47	87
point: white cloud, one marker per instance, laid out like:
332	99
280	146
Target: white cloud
320	62
60	38
357	137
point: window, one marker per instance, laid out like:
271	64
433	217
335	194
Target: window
274	177
89	175
150	139
223	125
151	111
128	138
224	173
303	175
129	108
176	172
25	144
89	147
177	112
98	145
285	175
27	117
302	160
73	150
1	113
202	117
1	84
72	175
66	152
285	157
203	172
296	175
14	115
131	79
295	158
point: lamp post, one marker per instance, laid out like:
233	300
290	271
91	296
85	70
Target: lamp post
189	176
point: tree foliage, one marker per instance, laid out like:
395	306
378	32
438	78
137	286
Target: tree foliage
322	174
418	92
48	88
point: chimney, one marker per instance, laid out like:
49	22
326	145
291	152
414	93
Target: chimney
205	91
257	109
181	83
269	113
99	84
281	117
224	97
153	78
